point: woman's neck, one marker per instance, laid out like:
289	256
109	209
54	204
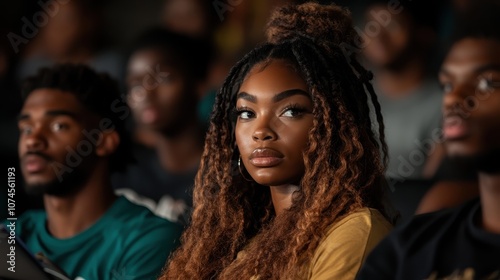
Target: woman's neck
282	197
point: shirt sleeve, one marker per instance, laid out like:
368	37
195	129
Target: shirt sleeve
146	257
345	248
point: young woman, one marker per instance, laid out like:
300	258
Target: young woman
289	185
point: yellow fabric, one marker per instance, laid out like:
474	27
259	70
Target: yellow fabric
344	248
346	245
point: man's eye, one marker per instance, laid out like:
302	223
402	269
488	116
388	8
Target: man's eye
446	87
25	130
485	84
59	126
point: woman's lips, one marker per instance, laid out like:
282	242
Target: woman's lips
455	127
265	157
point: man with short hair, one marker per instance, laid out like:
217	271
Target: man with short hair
461	243
166	75
71	138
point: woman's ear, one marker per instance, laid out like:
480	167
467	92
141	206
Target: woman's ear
108	144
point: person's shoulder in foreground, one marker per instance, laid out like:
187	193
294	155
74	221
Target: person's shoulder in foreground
427	248
347	243
127	242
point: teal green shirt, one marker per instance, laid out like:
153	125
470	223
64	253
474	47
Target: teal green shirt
127	242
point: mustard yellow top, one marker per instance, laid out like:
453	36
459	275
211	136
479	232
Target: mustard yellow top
345	246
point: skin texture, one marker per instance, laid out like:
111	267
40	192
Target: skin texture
46	136
472	69
282	126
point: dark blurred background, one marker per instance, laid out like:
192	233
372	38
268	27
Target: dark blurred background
101	33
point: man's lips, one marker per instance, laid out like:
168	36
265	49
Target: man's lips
34	163
455	127
149	115
266	157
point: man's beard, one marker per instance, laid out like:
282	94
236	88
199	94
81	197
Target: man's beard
486	162
69	184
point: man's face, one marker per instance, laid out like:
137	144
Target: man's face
470	77
55	157
160	96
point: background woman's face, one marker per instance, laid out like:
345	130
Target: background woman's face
273	123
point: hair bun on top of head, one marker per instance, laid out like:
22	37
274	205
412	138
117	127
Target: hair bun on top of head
329	25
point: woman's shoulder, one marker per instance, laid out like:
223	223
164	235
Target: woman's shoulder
365	226
365	220
346	244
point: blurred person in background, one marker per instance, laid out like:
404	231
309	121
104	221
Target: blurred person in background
401	55
398	42
198	19
462	242
166	77
73	34
424	179
71	140
194	18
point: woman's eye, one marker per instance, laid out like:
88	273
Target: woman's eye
245	115
291	113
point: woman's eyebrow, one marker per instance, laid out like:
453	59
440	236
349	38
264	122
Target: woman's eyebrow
247	96
287	93
278	97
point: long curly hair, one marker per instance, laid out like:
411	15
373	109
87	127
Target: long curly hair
344	164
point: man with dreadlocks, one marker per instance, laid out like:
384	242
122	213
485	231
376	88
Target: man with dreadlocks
289	185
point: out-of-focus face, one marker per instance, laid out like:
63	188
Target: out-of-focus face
65	30
51	125
392	41
160	96
274	112
470	76
186	17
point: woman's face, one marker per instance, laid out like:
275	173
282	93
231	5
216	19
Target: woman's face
273	122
